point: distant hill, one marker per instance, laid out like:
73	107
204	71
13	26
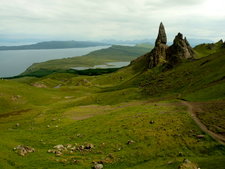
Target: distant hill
55	45
193	42
115	53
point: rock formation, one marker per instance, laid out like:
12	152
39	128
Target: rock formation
161	53
158	54
161	39
179	51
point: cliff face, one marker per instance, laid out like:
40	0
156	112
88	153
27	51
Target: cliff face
180	50
158	54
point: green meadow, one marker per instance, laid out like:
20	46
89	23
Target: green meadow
133	118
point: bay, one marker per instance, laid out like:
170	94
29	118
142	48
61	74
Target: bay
14	62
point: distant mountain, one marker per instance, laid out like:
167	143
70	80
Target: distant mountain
193	42
55	45
141	41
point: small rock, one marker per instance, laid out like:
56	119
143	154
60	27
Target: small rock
81	147
151	122
69	146
180	154
23	150
130	142
98	166
200	136
59	147
188	165
186	161
58	154
89	146
17	124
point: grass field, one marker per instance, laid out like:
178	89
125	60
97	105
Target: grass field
133	119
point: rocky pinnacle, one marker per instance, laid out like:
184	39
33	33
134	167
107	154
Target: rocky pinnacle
161	39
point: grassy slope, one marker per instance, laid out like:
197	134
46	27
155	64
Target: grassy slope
207	49
112	54
109	110
83	113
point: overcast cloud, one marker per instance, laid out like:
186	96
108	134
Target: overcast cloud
111	19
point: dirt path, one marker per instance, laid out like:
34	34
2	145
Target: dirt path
191	109
14	113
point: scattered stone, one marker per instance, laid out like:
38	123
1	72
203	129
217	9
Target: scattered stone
17	124
52	151
59	147
69	146
180	154
187	165
23	150
81	147
151	122
98	166
58	153
130	142
200	136
89	146
48	126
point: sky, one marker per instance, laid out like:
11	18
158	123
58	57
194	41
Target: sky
111	19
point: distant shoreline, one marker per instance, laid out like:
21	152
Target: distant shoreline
55	45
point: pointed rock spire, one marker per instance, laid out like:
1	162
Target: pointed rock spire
161	39
168	55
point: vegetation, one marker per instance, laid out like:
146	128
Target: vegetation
114	53
134	118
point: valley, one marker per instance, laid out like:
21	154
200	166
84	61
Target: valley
137	117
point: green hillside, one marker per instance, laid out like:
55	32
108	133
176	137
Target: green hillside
114	53
130	119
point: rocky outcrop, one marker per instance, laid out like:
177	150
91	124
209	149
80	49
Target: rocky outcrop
179	51
158	54
163	54
161	39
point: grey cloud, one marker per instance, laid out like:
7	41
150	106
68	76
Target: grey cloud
99	19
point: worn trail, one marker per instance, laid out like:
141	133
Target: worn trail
191	109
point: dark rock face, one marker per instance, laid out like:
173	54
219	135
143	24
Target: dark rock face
179	51
158	54
161	39
172	55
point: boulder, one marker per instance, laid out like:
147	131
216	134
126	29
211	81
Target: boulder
130	142
188	165
98	166
23	150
